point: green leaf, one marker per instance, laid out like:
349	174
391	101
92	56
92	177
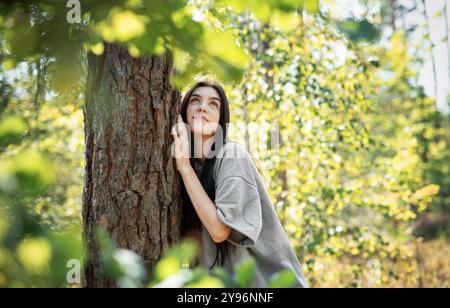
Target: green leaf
245	272
282	279
166	267
222	274
359	30
21	37
206	282
285	22
223	45
311	6
11	130
30	171
122	26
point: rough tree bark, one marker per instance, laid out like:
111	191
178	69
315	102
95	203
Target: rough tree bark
131	187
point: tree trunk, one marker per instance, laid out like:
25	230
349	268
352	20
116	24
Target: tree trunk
131	187
433	61
447	41
393	6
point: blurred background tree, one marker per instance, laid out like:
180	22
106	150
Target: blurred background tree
358	170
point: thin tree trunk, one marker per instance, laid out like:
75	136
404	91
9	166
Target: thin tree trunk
131	187
244	92
447	30
282	176
433	61
5	93
393	15
41	71
38	84
419	262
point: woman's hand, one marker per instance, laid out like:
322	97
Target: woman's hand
181	147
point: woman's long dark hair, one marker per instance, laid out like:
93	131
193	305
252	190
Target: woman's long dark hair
190	223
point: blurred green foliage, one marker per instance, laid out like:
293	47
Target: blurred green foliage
358	139
122	265
174	271
185	29
31	254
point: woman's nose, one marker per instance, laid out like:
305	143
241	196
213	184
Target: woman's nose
202	106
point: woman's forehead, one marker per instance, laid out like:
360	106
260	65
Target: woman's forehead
206	92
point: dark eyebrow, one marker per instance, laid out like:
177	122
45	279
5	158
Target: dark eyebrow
211	98
214	98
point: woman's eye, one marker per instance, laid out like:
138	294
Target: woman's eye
194	101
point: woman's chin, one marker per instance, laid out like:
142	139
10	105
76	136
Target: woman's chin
206	130
203	133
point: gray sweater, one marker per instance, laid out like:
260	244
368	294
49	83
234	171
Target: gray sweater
244	205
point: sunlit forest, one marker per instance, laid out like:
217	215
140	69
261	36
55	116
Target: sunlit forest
343	104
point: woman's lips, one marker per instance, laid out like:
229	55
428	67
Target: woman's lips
199	117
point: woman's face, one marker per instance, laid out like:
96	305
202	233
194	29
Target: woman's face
203	111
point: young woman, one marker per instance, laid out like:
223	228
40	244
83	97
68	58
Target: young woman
225	200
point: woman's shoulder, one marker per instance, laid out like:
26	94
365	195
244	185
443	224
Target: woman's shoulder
233	149
234	160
